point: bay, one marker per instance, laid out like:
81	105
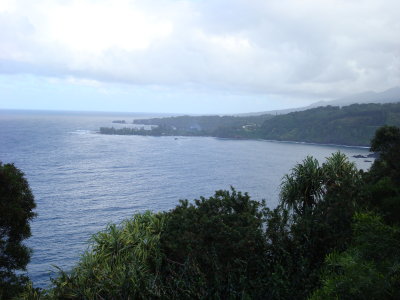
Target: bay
83	181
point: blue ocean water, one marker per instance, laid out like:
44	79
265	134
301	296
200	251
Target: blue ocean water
83	180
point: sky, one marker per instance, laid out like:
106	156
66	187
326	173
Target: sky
194	56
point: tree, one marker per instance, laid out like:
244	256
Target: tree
216	247
313	218
211	249
16	205
123	262
309	183
369	268
387	143
386	139
303	187
383	189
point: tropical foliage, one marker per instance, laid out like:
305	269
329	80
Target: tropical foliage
313	218
123	262
348	125
16	205
198	250
369	268
216	247
334	235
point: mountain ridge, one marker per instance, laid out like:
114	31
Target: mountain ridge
391	95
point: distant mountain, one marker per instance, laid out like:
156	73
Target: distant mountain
388	96
272	112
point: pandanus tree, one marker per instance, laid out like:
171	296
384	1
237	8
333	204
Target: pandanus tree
340	175
308	183
313	218
303	187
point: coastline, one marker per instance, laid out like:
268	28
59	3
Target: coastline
252	139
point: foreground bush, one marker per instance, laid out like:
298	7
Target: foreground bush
369	268
16	211
216	247
223	247
123	263
313	218
226	246
320	242
213	248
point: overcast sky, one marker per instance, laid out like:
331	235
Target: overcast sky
199	56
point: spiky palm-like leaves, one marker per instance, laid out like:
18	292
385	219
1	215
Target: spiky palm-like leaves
195	251
122	263
313	218
303	187
308	183
338	171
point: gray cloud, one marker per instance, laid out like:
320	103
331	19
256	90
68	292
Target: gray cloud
288	47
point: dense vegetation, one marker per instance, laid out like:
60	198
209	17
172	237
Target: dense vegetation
16	205
348	125
369	268
205	125
334	235
222	126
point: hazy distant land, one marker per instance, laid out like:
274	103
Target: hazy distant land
352	125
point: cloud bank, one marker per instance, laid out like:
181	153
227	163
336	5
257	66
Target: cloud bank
310	48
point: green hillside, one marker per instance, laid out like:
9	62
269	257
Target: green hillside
206	125
348	125
352	125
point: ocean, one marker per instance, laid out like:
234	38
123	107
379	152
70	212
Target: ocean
83	180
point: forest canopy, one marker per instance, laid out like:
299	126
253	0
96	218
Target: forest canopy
334	235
